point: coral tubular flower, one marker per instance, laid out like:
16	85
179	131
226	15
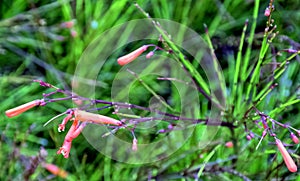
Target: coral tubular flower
55	170
95	118
294	138
131	56
22	108
289	162
61	127
73	132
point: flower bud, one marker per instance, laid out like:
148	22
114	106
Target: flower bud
150	54
134	144
73	33
267	12
131	56
22	108
229	144
294	138
289	162
248	137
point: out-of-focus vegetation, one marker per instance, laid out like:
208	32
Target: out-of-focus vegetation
35	44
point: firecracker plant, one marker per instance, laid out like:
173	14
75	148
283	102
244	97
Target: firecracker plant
248	89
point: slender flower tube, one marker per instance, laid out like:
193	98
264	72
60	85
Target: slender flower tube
131	56
61	127
294	138
66	147
22	108
95	118
289	162
55	170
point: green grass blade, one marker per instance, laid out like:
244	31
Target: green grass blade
206	160
238	64
250	41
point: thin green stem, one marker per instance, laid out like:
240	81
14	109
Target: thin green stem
151	91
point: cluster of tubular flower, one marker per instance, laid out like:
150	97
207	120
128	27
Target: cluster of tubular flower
80	119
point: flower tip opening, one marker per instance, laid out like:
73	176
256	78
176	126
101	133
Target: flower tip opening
63	152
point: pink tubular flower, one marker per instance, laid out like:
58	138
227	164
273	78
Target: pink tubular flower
131	56
95	118
73	132
134	144
55	170
289	162
229	144
22	108
294	138
61	127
